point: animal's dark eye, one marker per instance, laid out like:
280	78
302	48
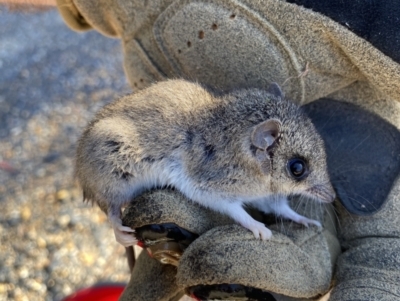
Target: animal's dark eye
297	168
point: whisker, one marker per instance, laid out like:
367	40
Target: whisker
368	201
361	142
350	215
332	218
334	150
329	119
326	123
339	169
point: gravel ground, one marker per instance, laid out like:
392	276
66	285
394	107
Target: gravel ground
52	81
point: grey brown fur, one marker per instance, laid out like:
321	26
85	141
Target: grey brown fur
221	152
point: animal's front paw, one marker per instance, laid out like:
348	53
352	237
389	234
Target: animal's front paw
259	230
124	235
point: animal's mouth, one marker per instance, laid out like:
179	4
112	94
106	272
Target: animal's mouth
323	193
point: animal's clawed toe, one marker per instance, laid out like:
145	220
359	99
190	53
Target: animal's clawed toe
260	231
123	234
306	222
125	229
124	238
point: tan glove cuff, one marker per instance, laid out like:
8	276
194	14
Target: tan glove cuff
72	16
151	281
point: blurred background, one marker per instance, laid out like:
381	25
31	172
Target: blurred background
52	81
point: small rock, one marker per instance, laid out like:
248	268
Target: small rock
51	157
62	195
51	282
15	218
32	234
70	246
66	289
36	285
19	295
55	240
39	193
3	288
26	213
41	172
64	220
41	243
23	272
87	258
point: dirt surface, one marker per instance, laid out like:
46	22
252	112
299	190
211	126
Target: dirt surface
52	81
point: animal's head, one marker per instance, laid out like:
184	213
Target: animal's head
290	151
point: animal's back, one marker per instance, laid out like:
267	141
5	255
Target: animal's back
137	134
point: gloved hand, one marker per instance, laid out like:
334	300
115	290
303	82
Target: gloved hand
297	261
363	152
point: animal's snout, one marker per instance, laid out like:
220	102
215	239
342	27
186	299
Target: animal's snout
329	194
325	193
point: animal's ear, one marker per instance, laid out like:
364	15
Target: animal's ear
275	90
265	133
